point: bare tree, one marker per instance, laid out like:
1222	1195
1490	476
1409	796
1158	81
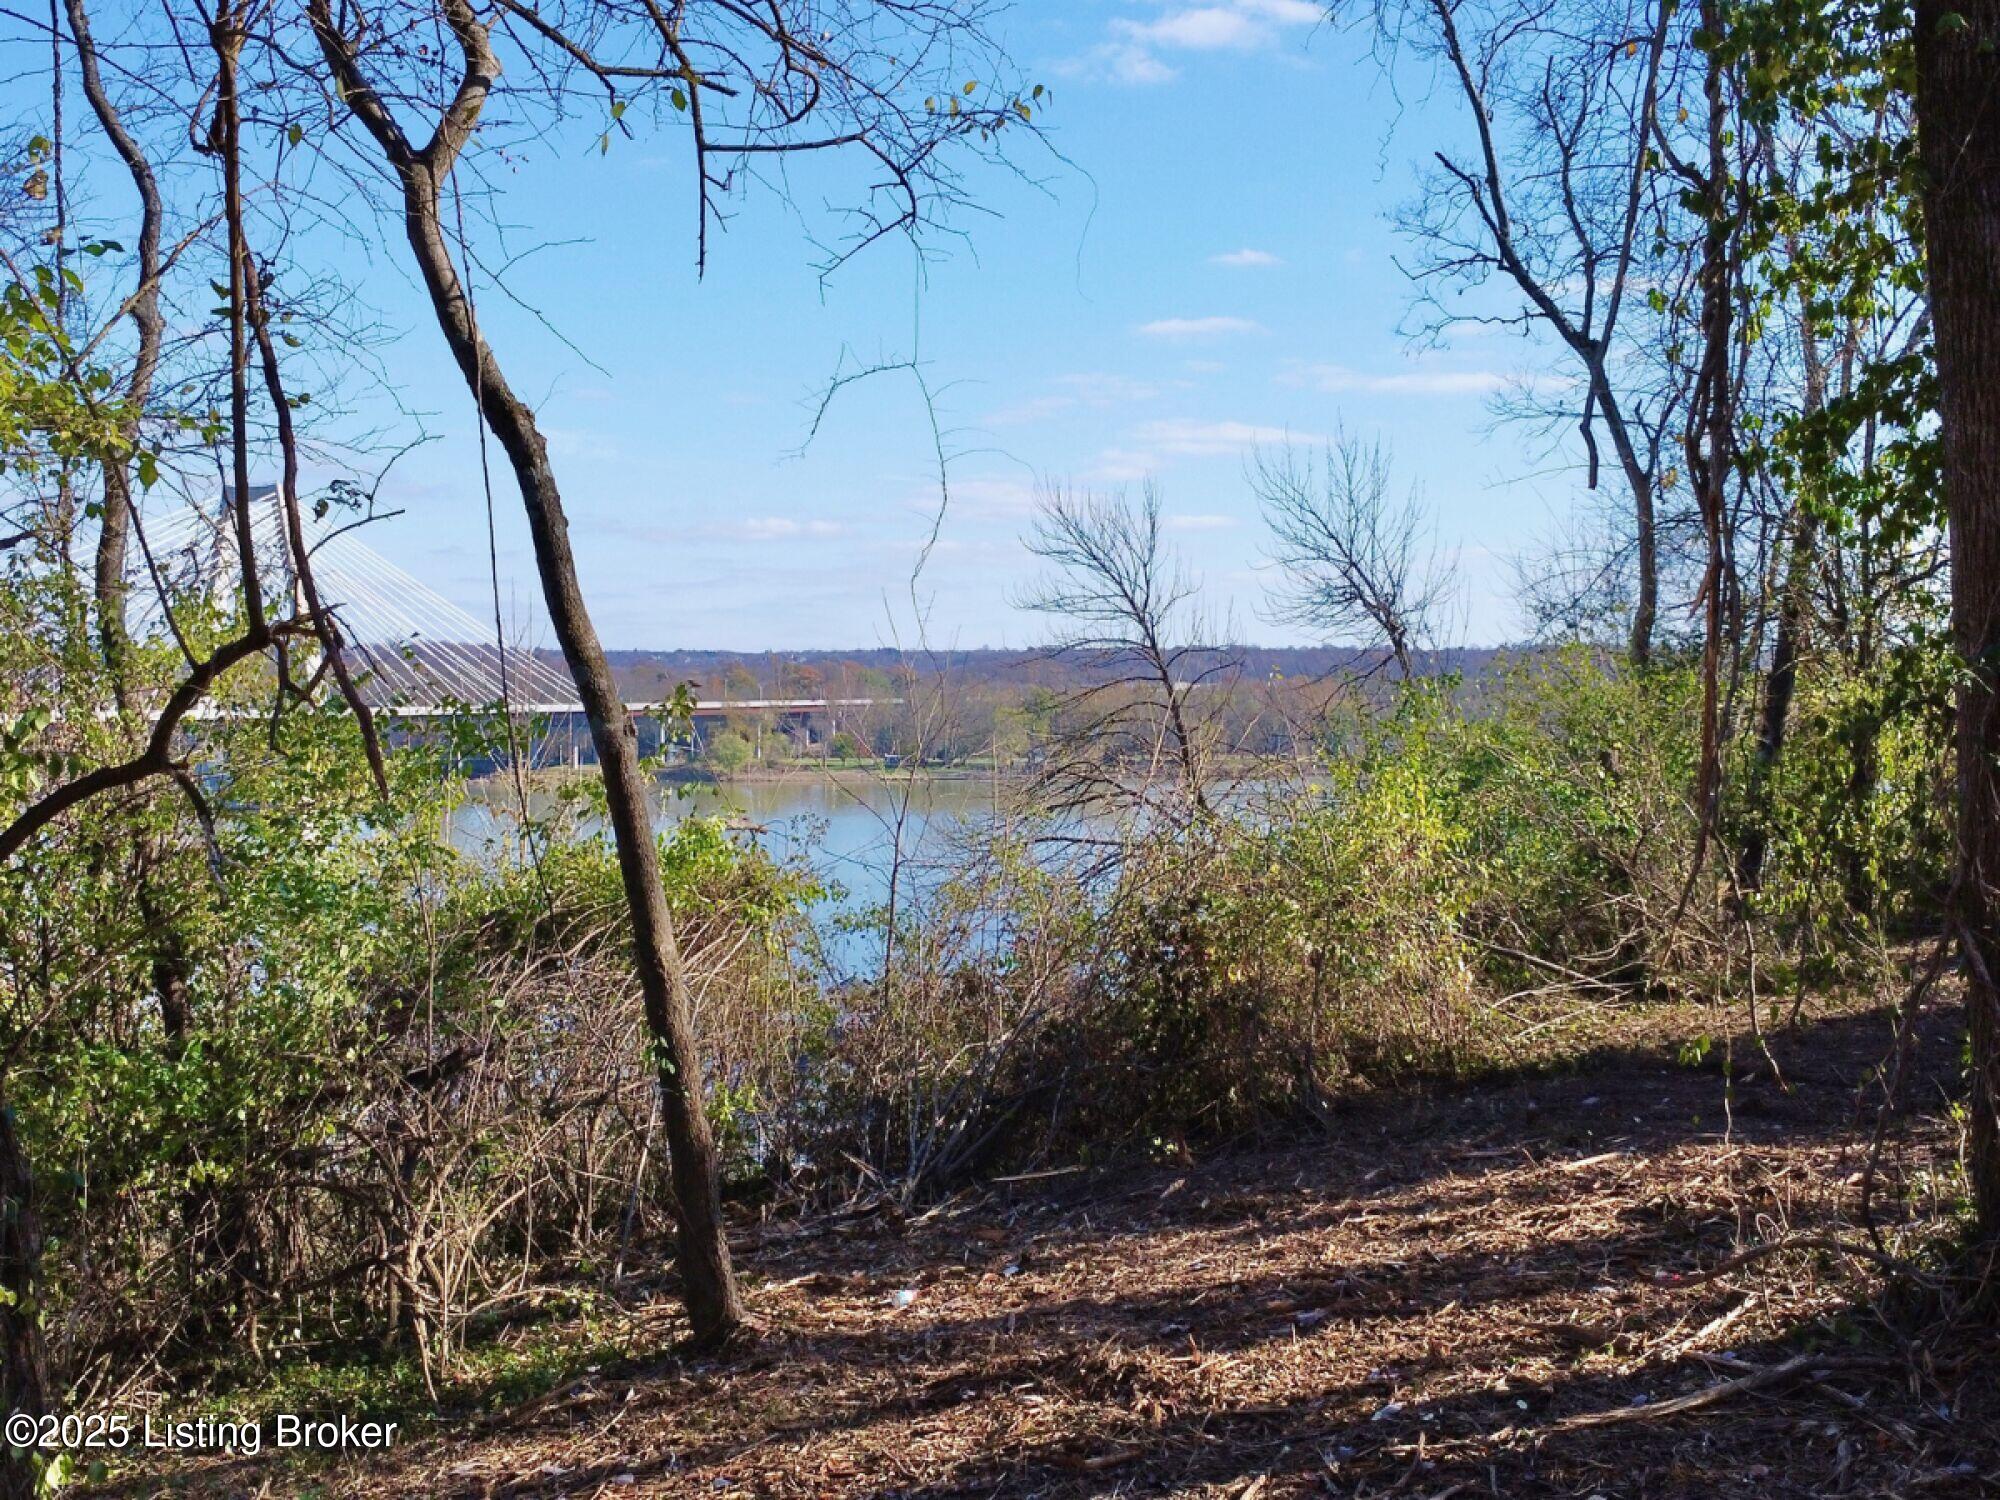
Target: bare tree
1552	203
714	1306
1360	565
1129	617
1709	436
750	82
1795	562
115	525
144	736
271	626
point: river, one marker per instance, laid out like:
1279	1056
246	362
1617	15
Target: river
843	825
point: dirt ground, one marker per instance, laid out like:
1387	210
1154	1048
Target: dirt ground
1488	1293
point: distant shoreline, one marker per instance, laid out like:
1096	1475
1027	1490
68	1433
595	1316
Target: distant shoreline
845	771
777	775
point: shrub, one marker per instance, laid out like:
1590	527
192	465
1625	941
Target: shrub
727	752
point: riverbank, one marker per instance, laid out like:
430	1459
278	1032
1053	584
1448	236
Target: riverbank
856	772
1518	1288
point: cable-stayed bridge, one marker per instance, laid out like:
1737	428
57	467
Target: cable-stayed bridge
415	655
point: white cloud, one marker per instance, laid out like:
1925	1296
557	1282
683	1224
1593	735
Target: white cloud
1034	409
722	532
1123	466
922	545
1150	445
1337	379
983	499
1197	328
1246	257
781	528
1193	438
1097	388
1089	389
1128	64
1200	28
1288	12
581	444
1132	50
1199	523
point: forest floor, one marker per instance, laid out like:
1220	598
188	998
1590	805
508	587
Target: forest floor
1494	1291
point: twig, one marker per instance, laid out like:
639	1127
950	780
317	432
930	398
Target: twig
1894	1265
1710	1395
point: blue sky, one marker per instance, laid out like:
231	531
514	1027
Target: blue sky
1214	272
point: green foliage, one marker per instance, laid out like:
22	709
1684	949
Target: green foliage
191	1034
1861	834
268	1031
1312	944
264	1027
1838	242
728	752
53	411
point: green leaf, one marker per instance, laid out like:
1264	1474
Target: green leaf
679	98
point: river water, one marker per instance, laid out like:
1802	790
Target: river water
846	827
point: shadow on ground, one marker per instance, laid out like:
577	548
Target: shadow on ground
1426	1301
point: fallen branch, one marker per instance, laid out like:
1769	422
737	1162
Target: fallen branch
1758	1379
1894	1265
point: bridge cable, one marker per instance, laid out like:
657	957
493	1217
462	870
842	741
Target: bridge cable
492	541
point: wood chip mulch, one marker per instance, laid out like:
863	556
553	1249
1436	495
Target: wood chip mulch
1491	1293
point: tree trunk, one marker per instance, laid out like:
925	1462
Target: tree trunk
1646	605
1779	688
1645	532
114	529
1958	126
1864	775
713	1305
1794	609
709	1285
24	1376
